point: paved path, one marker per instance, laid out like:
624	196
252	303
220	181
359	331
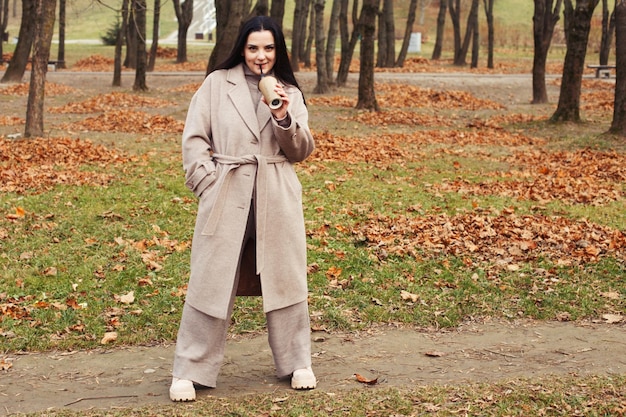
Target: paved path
136	376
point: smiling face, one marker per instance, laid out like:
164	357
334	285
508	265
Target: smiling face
260	51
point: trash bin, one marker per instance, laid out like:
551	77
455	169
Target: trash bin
415	42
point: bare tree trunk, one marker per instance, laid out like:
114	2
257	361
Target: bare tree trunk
261	8
441	20
390	28
306	56
608	29
299	33
44	28
490	31
577	26
229	15
545	17
155	35
4	22
277	11
344	33
618	125
331	43
131	38
475	39
17	65
455	15
61	50
461	55
367	96
407	34
604	40
140	7
184	16
386	36
382	40
121	35
322	75
348	50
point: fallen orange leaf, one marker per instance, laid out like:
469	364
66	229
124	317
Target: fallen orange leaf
360	378
108	338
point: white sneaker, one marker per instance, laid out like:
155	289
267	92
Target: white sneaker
303	379
182	390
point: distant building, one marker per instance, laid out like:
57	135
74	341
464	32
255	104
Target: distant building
204	20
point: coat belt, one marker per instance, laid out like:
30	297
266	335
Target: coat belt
231	163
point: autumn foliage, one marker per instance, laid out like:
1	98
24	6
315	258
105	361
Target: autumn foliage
37	165
485	152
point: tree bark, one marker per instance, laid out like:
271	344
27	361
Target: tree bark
121	37
604	41
229	15
577	25
131	38
320	53
386	36
382	39
367	96
490	31
608	29
461	54
184	16
455	16
306	54
407	34
441	20
545	17
61	50
140	7
299	33
475	38
155	35
44	28
390	28
277	11
4	22
618	125
17	64
261	8
331	43
348	50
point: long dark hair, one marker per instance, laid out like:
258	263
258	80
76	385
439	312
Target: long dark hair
282	66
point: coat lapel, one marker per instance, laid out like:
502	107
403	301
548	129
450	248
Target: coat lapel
255	117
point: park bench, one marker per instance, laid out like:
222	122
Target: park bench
602	71
52	64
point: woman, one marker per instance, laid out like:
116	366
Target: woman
238	156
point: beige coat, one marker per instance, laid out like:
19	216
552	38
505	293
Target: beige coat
232	147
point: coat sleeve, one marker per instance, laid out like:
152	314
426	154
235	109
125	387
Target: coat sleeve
295	140
196	142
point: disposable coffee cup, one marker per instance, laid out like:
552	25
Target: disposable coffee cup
267	85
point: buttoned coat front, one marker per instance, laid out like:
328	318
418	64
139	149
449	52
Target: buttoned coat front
236	156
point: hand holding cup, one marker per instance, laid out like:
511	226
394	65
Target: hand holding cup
267	85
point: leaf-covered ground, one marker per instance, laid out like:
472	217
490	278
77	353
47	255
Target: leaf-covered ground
484	197
32	166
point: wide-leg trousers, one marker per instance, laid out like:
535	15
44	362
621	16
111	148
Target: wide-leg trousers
201	340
